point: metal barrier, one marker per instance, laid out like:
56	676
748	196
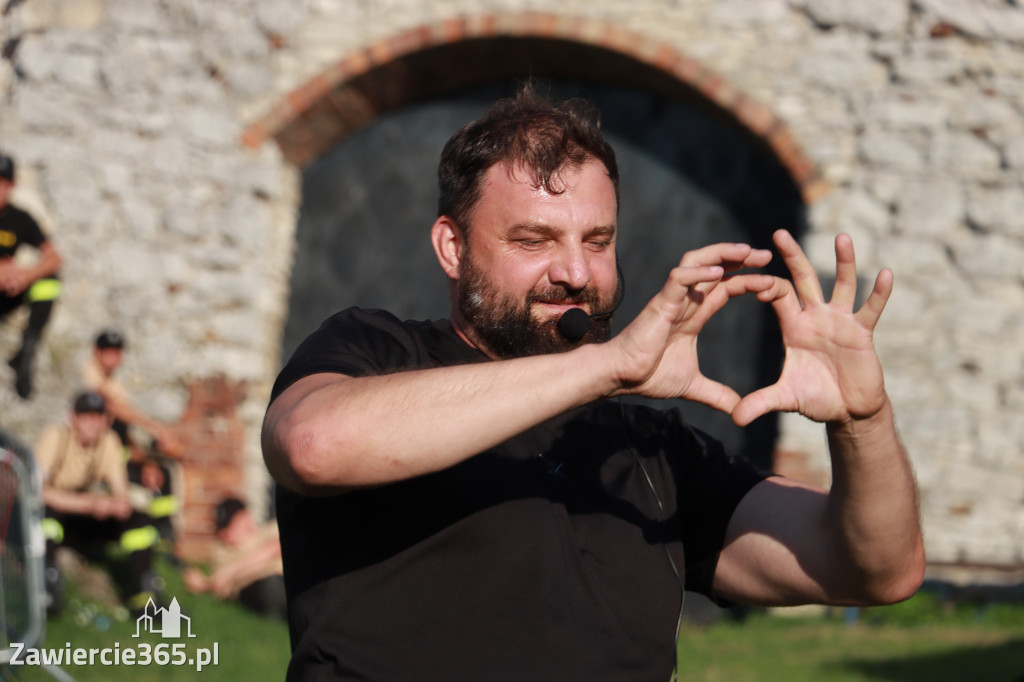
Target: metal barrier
22	595
22	550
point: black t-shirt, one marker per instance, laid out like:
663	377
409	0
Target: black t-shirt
16	228
544	558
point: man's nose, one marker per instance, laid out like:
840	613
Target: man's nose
570	268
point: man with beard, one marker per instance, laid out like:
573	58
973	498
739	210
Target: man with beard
465	499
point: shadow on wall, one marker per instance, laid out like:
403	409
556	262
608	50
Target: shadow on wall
689	178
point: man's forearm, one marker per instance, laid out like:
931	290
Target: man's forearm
49	262
873	507
250	567
128	413
857	544
69	502
328	433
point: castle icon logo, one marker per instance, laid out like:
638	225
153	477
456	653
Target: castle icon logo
166	622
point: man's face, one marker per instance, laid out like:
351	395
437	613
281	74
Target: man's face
109	359
531	255
5	191
89	426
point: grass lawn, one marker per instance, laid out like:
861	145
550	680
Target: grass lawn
919	640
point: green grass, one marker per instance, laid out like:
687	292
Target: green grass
923	639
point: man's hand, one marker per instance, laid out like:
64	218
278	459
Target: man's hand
195	580
13	280
167	440
220	584
859	542
106	507
831	371
659	348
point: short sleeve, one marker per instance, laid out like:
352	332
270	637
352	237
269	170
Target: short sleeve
19	228
354	342
32	234
711	485
704	480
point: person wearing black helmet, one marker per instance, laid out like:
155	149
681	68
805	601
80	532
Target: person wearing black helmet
85	490
35	285
149	467
246	564
99	374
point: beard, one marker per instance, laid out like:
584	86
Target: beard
507	328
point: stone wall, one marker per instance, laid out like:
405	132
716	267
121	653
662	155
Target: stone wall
128	117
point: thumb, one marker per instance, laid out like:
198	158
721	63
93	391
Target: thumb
757	404
713	394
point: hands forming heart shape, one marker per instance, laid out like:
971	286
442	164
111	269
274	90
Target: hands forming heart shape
831	371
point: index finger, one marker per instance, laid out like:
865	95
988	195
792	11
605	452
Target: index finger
730	256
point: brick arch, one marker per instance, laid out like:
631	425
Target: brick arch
431	60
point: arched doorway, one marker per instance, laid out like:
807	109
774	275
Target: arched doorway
694	171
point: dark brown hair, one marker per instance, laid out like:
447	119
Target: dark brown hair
224	512
528	130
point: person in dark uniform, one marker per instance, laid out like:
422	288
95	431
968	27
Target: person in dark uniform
34	285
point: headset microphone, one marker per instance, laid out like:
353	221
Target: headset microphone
575	322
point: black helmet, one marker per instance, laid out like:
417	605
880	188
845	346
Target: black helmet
108	338
6	167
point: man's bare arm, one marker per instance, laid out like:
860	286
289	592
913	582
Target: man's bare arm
860	542
164	434
245	569
85	504
332	432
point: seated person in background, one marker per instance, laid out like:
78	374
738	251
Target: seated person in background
247	566
150	490
85	485
148	474
98	374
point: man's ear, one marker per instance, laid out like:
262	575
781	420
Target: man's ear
446	237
